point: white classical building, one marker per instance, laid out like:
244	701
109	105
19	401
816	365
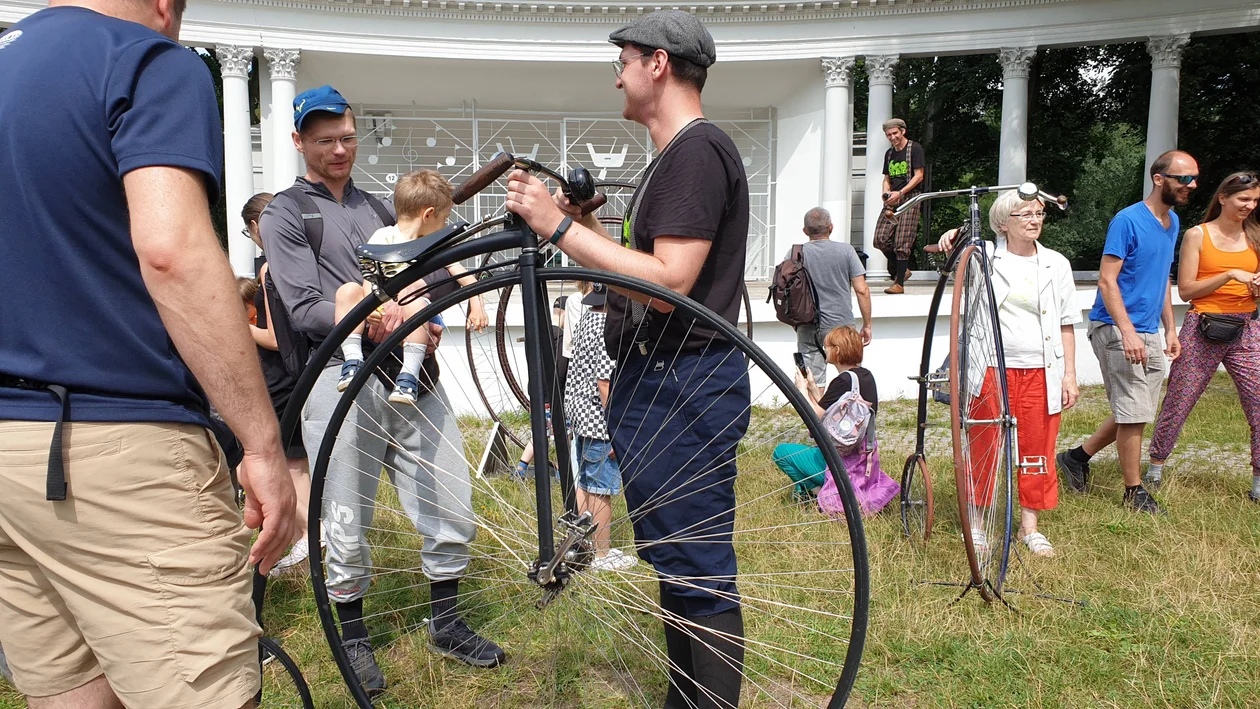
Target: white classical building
447	83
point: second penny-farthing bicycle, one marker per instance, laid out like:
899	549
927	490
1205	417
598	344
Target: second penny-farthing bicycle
579	633
982	430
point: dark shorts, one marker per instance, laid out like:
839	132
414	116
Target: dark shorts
676	424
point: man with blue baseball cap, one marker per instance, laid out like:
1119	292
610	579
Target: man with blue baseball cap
310	232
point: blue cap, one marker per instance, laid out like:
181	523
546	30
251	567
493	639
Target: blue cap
325	98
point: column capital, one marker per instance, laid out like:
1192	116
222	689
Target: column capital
1016	61
837	71
881	68
283	62
234	60
1166	51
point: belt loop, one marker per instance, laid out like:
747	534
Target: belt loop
56	458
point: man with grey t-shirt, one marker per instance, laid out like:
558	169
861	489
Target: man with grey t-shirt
836	271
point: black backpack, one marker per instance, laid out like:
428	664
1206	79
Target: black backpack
792	290
295	346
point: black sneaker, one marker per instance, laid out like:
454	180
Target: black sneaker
1139	500
363	660
1075	474
457	640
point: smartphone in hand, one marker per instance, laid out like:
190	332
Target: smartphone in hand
800	363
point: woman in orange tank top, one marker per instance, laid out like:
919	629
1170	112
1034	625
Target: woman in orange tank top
1219	275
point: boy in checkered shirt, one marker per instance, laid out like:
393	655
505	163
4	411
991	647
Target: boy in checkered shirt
585	401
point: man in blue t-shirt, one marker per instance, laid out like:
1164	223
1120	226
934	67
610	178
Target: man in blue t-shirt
123	558
1134	295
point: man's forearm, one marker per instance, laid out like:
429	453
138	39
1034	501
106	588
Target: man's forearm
864	306
1115	306
913	182
189	279
1170	321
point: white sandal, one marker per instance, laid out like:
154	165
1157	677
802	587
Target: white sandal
1038	544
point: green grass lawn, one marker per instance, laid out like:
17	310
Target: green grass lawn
1169	612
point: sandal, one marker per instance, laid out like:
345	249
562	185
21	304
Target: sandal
1038	544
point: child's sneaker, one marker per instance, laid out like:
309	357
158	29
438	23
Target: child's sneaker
406	390
348	370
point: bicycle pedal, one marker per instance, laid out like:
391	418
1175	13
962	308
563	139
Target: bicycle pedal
1033	465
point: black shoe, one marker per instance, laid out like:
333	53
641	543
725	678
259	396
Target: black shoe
1139	500
363	660
1075	474
457	640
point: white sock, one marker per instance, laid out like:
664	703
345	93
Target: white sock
413	356
352	348
1155	471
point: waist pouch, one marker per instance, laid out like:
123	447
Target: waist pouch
1223	329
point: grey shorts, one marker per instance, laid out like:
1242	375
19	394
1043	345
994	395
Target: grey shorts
1132	389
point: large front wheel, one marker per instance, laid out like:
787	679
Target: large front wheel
692	517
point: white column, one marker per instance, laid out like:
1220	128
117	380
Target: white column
1013	161
284	158
837	152
1161	122
238	159
265	128
880	69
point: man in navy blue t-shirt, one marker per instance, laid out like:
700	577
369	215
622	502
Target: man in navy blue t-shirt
1134	295
123	558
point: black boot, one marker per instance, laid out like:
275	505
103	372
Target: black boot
682	688
717	655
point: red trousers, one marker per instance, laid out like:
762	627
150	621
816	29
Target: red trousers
1038	434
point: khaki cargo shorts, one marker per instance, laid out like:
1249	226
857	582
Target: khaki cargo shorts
1132	389
141	573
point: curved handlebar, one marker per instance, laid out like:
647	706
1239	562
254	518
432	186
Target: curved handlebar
481	179
501	163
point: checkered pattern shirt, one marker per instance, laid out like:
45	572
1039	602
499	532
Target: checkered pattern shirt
589	364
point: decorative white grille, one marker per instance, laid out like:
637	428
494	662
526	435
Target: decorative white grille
395	140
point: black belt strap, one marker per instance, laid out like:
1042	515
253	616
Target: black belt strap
56	490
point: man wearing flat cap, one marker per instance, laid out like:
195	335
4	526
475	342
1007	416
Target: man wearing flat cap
687	229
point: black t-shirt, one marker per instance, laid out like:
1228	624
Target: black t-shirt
698	189
840	385
900	165
280	382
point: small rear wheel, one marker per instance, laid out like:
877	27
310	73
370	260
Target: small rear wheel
917	507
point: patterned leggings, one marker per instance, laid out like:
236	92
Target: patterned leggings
1190	374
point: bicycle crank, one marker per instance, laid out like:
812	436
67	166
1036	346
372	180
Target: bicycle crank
572	555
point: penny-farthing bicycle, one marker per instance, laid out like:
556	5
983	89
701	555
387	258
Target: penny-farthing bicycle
982	430
496	355
578	633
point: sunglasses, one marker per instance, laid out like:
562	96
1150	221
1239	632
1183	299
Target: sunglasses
1246	178
619	65
1183	179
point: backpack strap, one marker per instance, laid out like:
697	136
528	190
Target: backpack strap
312	219
387	219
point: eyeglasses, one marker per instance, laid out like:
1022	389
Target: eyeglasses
245	233
619	64
1028	216
348	141
1183	179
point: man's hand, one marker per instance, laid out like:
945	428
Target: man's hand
946	241
391	318
866	334
269	505
1134	347
1071	392
894	199
1172	344
529	199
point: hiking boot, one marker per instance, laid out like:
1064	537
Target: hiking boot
406	390
895	289
458	641
1139	500
363	660
348	369
1075	474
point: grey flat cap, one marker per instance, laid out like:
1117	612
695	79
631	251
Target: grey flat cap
679	33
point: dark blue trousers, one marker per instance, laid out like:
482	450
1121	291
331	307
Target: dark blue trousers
676	422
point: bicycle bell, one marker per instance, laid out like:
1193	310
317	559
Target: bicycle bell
1028	191
581	184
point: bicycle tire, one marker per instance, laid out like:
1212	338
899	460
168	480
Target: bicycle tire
980	423
283	686
840	608
918	510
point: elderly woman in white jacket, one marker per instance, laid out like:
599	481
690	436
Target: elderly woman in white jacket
1036	300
